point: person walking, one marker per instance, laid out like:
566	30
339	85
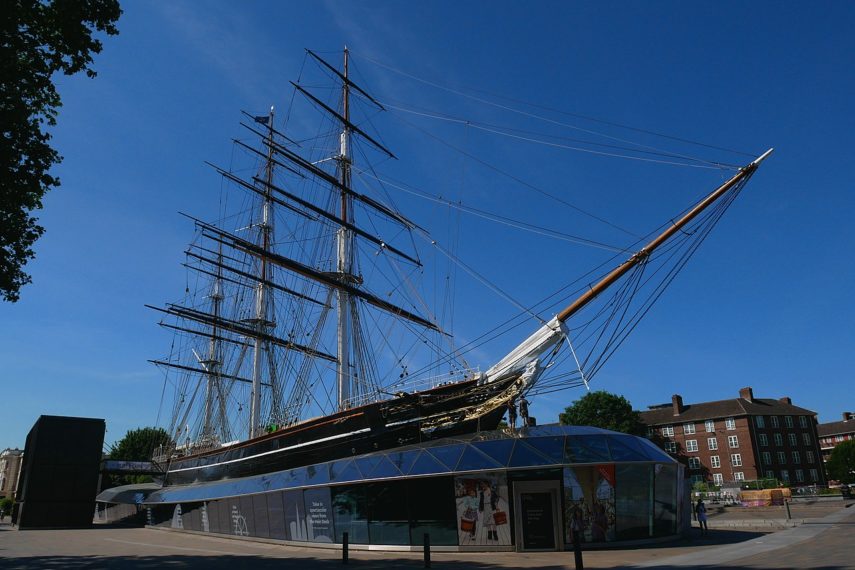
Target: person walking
701	514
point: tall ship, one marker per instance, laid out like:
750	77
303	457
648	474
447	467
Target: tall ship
303	336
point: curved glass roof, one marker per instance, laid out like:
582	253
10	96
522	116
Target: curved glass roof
542	446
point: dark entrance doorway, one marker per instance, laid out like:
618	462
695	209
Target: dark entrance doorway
538	522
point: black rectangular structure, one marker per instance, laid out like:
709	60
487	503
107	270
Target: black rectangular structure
59	473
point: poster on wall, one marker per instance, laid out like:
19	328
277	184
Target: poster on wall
318	509
482	510
295	519
589	503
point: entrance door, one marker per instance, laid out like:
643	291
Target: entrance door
538	524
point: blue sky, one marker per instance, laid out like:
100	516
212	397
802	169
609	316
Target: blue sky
765	303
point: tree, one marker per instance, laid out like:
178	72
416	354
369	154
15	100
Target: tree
604	410
37	39
841	464
137	445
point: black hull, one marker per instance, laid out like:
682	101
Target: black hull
413	418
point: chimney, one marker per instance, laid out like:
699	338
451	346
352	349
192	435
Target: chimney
677	404
786	400
747	394
847	416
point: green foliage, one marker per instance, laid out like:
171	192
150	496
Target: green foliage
604	410
6	505
700	487
137	445
37	39
841	464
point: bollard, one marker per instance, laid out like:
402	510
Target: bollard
789	515
427	550
577	549
344	553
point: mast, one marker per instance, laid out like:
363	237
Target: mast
645	252
343	267
212	363
261	291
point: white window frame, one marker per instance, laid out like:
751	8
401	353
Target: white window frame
671	446
779	440
712	443
709	425
794	441
739	476
694	463
736	459
782	458
733	442
806	438
763	439
759	421
788	421
770	474
668	431
774	421
797	457
730	423
692	445
803	421
814	475
800	476
766	458
718	478
688	428
785	475
810	456
715	462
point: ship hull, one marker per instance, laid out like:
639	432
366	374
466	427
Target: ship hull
445	411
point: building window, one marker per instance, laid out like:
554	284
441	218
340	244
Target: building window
775	422
712	443
797	458
838	438
732	441
800	475
764	441
814	475
770	474
710	425
788	421
651	431
803	421
689	428
793	440
694	463
779	440
668	431
730	423
736	459
785	476
738	476
809	456
782	458
671	446
697	479
717	478
759	421
766	458
806	437
715	462
691	445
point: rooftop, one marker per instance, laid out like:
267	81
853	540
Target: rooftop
745	405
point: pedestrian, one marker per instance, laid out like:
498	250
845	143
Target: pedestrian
524	411
512	414
701	514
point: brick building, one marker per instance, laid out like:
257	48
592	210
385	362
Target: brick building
10	467
742	439
832	433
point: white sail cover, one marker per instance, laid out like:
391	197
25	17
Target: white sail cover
530	350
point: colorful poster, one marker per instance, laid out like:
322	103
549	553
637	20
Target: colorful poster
589	503
482	510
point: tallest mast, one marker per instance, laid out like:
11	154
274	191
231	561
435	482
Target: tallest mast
344	251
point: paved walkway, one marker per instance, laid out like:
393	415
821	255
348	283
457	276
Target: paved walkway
824	543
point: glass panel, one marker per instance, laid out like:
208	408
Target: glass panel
482	509
224	516
448	454
633	501
243	523
295	516
551	447
426	464
350	513
653	452
385	468
318	509
525	456
664	500
474	460
261	515
367	464
404	460
500	450
432	511
387	507
317	475
589	503
625	449
342	471
276	515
